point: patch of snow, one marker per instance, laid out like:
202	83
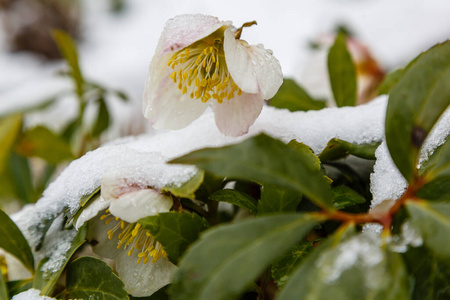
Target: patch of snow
409	236
31	294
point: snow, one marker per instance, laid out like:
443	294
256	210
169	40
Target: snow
142	160
31	294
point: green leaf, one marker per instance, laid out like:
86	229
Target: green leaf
432	220
10	128
103	120
187	189
430	275
438	164
3	288
337	149
233	255
13	241
415	104
348	267
293	97
18	286
346	197
436	190
16	180
45	279
210	184
265	160
43	143
342	73
236	198
275	199
390	80
175	231
69	51
283	268
91	278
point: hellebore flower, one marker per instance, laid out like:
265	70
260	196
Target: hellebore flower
141	261
202	61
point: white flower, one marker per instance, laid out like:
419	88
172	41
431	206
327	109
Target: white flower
141	262
201	61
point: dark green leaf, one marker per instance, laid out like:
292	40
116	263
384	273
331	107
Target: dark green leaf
69	130
45	279
236	198
161	294
103	119
210	184
283	268
3	288
438	164
13	241
175	231
337	149
122	96
346	197
18	286
431	276
415	104
43	143
293	97
233	255
17	180
436	190
9	130
265	160
69	51
91	278
187	189
342	73
346	267
432	220
276	199
390	81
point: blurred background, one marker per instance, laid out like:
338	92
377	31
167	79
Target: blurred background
116	40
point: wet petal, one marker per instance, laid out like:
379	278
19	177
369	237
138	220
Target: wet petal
253	68
234	117
144	279
98	236
91	211
133	206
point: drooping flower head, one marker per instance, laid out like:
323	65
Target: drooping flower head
202	61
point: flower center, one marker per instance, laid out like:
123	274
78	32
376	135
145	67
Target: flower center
134	237
201	70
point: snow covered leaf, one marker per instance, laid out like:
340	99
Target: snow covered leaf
337	148
342	73
278	199
283	268
226	252
18	286
43	143
175	231
293	97
13	241
438	164
90	278
50	268
9	129
415	104
432	220
346	197
235	197
346	267
265	160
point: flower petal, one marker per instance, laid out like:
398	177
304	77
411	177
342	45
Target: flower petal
165	105
133	206
98	236
144	279
91	211
184	30
234	117
253	68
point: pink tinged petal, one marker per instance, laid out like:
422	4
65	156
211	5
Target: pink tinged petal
167	108
253	68
144	279
113	187
183	30
91	211
234	117
133	206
